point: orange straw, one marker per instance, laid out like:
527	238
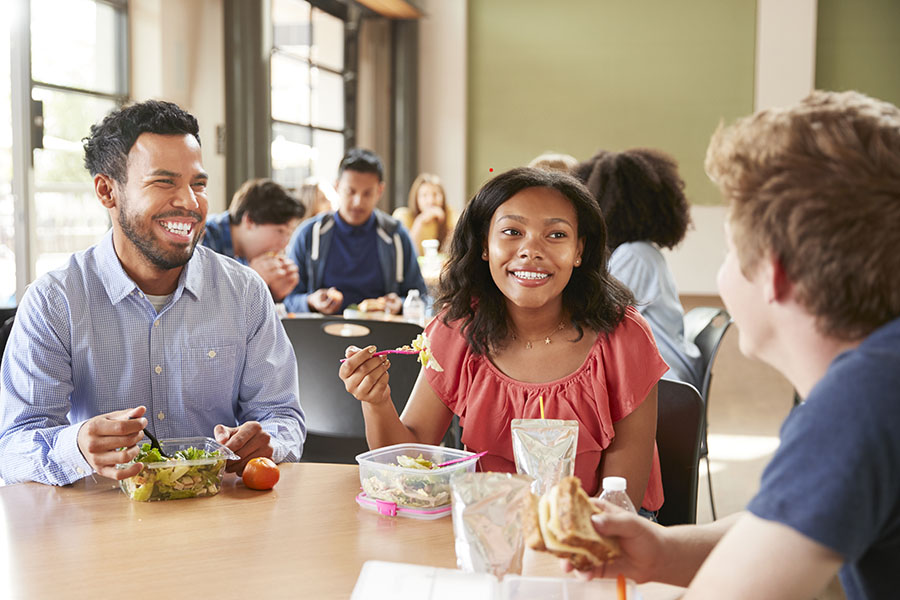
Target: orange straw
541	401
621	592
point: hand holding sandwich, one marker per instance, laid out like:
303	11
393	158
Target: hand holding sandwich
560	523
602	540
651	552
640	543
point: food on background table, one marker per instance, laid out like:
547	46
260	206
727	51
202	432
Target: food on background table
261	474
560	523
159	482
372	305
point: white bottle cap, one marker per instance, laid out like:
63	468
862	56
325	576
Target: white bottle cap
413	293
615	484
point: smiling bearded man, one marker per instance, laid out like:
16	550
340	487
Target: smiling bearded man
145	329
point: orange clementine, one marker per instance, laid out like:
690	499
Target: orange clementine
261	474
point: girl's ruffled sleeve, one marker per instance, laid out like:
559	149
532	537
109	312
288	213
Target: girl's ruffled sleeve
632	364
450	350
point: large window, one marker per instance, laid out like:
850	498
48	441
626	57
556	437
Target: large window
75	88
7	201
77	52
307	74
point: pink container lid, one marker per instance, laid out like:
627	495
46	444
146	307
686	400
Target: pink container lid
390	509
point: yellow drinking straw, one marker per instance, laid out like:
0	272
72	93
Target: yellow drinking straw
541	401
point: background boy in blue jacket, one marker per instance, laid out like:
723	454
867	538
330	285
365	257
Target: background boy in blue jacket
357	252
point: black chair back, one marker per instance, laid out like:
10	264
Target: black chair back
6	312
5	330
678	434
706	326
334	420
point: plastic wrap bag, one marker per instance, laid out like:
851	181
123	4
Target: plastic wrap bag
487	521
545	450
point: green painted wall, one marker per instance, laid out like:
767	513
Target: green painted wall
577	75
858	47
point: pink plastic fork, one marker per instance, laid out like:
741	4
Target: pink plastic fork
383	352
459	460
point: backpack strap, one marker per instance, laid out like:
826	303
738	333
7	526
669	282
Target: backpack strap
320	227
388	229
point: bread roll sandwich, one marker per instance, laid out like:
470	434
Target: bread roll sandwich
560	523
373	305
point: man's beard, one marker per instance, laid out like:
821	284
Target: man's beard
144	240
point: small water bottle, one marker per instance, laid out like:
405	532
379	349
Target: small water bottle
430	262
614	493
430	248
414	308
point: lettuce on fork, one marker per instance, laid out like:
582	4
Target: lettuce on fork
423	345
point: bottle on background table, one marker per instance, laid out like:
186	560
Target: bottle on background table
414	308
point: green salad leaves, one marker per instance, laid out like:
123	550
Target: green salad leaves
184	479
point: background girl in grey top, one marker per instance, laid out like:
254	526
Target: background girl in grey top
642	199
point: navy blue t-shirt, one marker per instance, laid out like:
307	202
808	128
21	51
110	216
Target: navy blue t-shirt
352	264
836	475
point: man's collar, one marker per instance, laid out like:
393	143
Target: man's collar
191	279
119	285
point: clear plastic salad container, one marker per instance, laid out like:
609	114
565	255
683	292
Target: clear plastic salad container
196	469
382	478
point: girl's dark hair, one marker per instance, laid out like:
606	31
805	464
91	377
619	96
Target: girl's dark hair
640	194
106	149
594	299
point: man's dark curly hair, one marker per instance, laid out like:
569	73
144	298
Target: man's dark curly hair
361	161
594	299
106	149
640	194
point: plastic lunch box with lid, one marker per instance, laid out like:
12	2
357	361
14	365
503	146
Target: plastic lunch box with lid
418	493
180	478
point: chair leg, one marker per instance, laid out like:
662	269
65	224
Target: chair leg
712	502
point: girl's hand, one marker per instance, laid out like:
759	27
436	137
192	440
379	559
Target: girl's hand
433	213
366	376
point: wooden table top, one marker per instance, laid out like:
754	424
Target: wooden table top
306	538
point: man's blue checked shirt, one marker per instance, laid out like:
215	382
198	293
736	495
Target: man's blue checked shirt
86	342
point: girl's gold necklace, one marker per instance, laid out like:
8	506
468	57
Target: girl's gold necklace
529	344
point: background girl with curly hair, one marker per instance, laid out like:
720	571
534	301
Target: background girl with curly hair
642	199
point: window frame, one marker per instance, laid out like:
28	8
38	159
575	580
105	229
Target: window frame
347	74
27	126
